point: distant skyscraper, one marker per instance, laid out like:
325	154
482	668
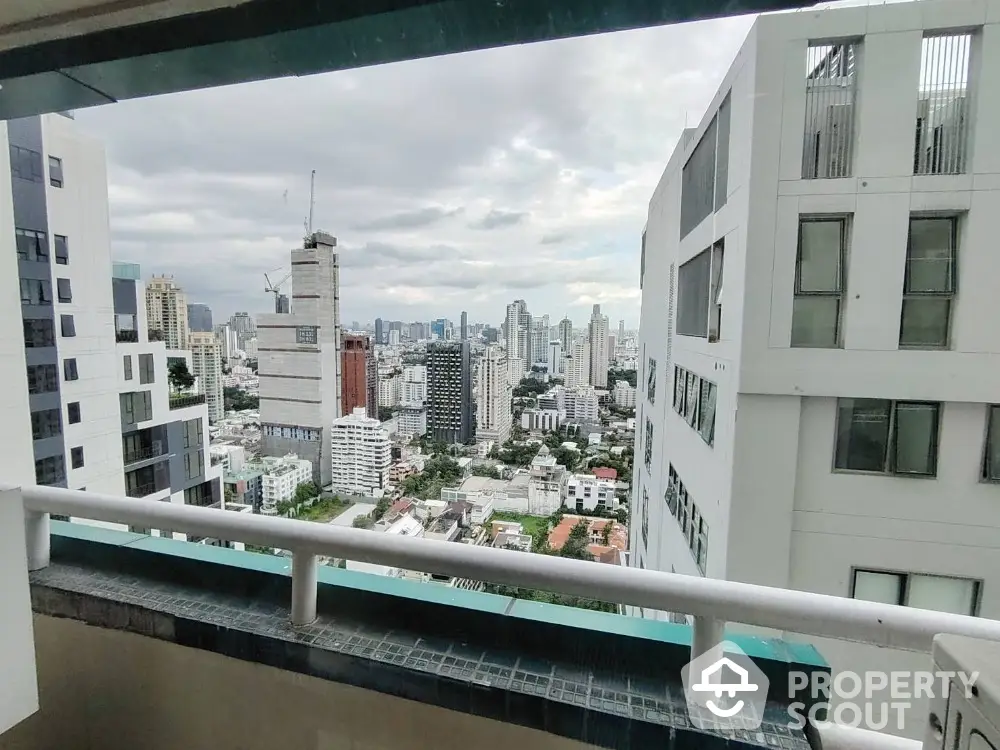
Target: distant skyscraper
199	318
518	332
612	343
566	334
206	365
465	325
493	408
166	312
300	393
598	348
540	330
449	392
576	365
355	325
243	327
621	331
281	304
379	331
438	327
354	367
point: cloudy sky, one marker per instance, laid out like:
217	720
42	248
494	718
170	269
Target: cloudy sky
460	182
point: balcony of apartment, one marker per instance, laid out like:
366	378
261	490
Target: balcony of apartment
126	329
147	480
144	641
143	447
184	400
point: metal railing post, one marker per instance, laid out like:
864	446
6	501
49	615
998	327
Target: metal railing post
706	634
36	538
303	588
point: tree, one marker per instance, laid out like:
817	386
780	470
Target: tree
179	376
490	472
285	507
384	413
622	514
606	533
305	491
363	522
235	398
576	544
629	376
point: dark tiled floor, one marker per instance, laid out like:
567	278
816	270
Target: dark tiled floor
616	710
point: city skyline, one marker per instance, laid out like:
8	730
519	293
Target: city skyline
538	191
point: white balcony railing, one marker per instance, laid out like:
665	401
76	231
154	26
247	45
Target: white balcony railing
711	602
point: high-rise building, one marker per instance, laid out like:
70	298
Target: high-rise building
555	359
566	333
67	337
494	397
206	362
244	327
518	333
361	455
299	360
94	390
540	331
282	305
199	317
226	337
449	392
355	354
438	328
612	343
465	326
598	334
823	336
393	337
414	384
379	331
371	382
166	311
576	365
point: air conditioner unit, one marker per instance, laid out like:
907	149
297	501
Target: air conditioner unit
965	718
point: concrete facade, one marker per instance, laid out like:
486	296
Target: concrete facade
771	498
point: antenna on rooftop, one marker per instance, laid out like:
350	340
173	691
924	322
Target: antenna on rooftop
312	201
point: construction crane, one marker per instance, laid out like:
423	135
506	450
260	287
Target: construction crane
275	288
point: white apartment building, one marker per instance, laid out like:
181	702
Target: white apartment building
623	395
576	364
540	330
411	420
493	397
820	258
414	387
541	419
599	348
361	455
280	477
555	360
166	311
299	359
226	337
581	405
206	365
390	387
587	492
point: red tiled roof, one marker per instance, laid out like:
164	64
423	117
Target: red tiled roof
604	472
606	554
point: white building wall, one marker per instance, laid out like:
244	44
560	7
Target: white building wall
493	407
361	455
79	211
777	512
206	361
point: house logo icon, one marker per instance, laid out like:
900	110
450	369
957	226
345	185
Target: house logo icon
725	690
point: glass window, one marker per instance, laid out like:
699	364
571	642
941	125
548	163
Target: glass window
651	381
127	360
73	412
706	412
43	378
942	594
887	437
26	164
645	518
50	471
55	172
831	87
991	461
929	284
69	369
38	333
680	386
693	292
46	424
819	283
35	292
76	457
915	439
32	245
146	374
64	290
61	249
872	586
862	434
67	325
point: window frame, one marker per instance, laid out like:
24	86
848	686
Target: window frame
992	433
76	457
841	293
889	458
950	296
905	585
67	326
127	365
73	413
70	370
60	284
56	165
147	369
57	240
